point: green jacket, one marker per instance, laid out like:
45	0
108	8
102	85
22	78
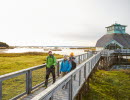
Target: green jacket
51	60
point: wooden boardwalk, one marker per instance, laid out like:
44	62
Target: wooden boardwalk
54	91
61	94
67	87
36	92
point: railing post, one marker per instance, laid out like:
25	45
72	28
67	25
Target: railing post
58	71
79	59
91	64
85	55
82	58
28	81
79	77
0	90
51	98
71	88
89	67
88	55
94	60
85	71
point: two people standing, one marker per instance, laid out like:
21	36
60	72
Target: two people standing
68	65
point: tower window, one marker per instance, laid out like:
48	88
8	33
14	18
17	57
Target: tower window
120	27
117	27
112	28
123	28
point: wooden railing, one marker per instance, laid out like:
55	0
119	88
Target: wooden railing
73	81
28	73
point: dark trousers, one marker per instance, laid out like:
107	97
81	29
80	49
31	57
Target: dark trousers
48	71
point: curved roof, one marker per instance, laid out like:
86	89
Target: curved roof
123	39
116	25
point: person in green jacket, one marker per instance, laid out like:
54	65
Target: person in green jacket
50	67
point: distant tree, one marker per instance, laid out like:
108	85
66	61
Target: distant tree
2	44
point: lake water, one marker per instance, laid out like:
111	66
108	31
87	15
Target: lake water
63	52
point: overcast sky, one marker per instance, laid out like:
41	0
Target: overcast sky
59	22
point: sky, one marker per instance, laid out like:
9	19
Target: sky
59	22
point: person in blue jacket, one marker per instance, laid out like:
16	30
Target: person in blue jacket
65	66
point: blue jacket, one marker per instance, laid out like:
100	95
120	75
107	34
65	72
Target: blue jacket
65	66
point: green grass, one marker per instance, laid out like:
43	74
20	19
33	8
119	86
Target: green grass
10	62
109	85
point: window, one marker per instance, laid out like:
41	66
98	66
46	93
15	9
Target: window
120	27
110	28
113	28
117	27
123	27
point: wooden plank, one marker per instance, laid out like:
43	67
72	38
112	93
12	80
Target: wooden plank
18	96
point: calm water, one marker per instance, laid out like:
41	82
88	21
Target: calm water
21	50
121	67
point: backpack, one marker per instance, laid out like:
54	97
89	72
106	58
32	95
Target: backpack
73	65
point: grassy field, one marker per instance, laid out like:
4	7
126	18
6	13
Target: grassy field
10	62
109	85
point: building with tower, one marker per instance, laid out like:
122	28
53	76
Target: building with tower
116	38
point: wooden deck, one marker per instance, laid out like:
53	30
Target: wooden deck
61	94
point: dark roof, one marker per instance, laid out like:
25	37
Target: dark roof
123	39
116	25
